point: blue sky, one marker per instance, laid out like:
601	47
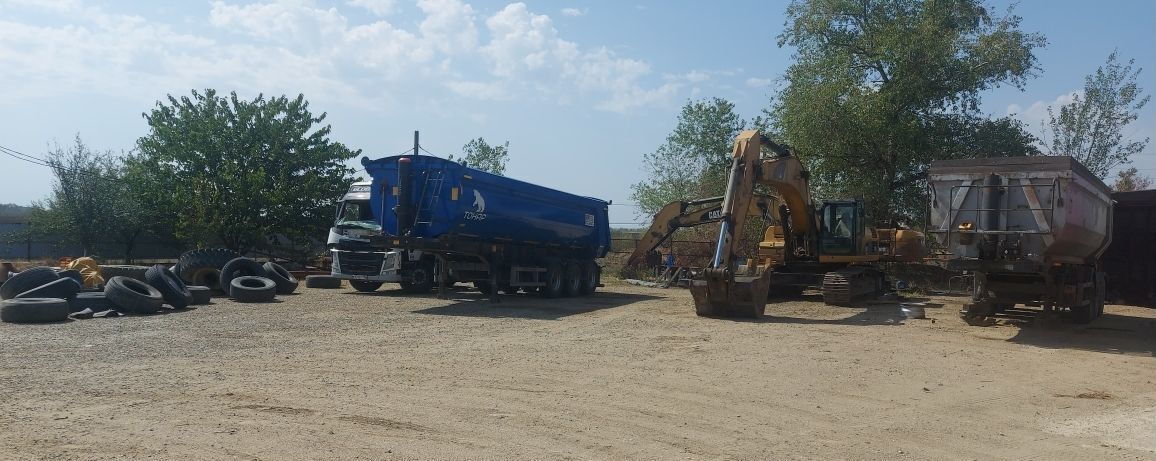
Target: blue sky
581	90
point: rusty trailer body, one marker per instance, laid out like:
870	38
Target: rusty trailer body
1031	229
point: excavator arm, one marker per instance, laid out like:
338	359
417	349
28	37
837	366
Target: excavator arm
676	215
722	290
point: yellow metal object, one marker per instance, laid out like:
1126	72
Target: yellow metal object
454	193
89	271
394	191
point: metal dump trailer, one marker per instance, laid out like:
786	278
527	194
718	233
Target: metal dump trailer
499	233
1130	261
1030	229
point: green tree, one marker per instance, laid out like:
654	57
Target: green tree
479	155
880	88
1090	128
1131	180
693	161
238	171
79	209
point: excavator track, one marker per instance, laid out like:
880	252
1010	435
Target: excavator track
851	284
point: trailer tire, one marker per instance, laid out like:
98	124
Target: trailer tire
64	288
203	266
554	277
239	267
27	280
421	279
33	310
252	289
201	294
572	280
322	281
132	295
365	286
286	283
591	276
172	288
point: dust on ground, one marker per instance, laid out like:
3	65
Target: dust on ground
630	372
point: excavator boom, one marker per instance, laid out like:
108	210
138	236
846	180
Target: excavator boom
679	214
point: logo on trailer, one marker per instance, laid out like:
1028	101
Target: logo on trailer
479	211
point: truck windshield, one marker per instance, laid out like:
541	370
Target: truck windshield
356	214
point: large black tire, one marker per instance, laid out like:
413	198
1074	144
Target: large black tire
554	278
420	279
591	277
252	289
27	280
572	280
203	266
131	295
72	274
322	281
286	283
201	294
33	310
239	267
364	286
64	288
132	272
98	302
172	289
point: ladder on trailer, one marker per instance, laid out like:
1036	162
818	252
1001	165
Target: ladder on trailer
431	192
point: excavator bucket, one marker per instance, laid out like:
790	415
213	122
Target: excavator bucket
719	294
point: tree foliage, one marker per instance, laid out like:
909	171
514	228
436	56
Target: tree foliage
1090	128
880	88
235	172
1130	179
693	161
480	155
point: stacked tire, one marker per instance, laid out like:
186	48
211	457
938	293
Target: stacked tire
37	295
249	281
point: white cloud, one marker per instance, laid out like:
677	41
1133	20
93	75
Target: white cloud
573	12
1036	115
695	76
758	82
378	7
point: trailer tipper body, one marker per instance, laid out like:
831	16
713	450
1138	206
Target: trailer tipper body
1031	230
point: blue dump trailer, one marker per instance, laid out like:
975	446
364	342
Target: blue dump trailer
435	221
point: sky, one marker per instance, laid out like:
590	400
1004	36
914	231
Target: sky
581	90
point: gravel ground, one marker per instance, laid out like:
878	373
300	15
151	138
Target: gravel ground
627	373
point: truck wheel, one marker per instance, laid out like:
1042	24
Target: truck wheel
364	286
421	279
34	310
591	273
64	288
322	281
132	295
252	289
1084	314
286	283
239	267
553	288
572	279
172	288
27	280
201	294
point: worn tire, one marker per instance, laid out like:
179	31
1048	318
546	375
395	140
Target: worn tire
197	265
133	272
172	289
286	283
98	302
72	274
131	295
252	289
365	286
64	288
322	281
572	280
239	267
201	294
591	276
554	278
33	310
27	280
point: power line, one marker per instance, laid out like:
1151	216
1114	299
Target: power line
46	163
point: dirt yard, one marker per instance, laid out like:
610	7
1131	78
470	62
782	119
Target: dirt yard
630	373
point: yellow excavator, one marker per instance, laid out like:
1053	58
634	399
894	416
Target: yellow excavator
828	245
679	214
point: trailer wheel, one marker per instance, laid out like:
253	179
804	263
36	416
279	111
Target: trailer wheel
553	288
572	279
421	279
364	286
591	273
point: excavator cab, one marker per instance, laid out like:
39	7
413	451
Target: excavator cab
841	227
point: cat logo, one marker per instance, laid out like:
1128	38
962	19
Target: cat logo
714	214
479	211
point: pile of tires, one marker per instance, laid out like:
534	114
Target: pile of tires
248	281
37	295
